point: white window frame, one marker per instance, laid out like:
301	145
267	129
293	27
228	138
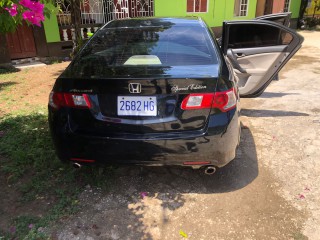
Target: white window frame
239	12
194	6
286	7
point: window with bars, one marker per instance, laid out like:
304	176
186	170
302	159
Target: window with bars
197	6
286	6
241	8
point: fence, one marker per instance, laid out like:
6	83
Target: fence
95	13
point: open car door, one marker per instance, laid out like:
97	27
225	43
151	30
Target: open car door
281	18
257	50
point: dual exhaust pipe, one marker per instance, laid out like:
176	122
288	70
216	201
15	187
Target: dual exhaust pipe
208	170
76	165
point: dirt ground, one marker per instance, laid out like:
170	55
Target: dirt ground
270	191
31	87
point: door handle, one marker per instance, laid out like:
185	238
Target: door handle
240	55
234	61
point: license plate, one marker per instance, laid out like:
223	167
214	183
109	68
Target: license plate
137	106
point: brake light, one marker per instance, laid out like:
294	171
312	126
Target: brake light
57	100
196	163
82	160
222	100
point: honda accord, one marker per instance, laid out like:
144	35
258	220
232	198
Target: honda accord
162	91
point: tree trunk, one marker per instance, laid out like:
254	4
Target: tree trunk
76	23
304	4
4	51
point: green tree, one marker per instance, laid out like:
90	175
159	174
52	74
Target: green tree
316	7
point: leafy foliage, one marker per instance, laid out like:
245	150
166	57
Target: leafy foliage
312	21
14	12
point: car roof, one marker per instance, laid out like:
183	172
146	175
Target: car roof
154	22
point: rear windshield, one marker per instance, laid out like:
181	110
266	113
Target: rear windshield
149	46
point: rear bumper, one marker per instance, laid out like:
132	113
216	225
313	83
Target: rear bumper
216	145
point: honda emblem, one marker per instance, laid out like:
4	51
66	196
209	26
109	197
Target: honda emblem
134	87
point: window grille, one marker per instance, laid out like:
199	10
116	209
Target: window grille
241	8
286	6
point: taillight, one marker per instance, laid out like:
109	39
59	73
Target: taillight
197	101
57	100
222	100
82	160
225	101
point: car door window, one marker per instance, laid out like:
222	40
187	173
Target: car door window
244	36
281	18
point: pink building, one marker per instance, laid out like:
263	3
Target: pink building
272	6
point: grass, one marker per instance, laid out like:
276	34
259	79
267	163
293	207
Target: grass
29	165
37	174
299	236
8	69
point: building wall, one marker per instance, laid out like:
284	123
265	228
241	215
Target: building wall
278	6
218	10
51	29
55	47
295	8
260	7
50	25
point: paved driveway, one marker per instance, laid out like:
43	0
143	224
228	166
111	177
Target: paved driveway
271	191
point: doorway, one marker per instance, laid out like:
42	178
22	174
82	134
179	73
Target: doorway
268	7
21	42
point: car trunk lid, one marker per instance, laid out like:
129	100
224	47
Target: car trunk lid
166	92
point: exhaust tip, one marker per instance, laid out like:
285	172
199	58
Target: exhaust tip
76	165
210	170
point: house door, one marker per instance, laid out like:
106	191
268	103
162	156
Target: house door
21	42
268	7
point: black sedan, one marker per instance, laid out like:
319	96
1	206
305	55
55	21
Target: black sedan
161	91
